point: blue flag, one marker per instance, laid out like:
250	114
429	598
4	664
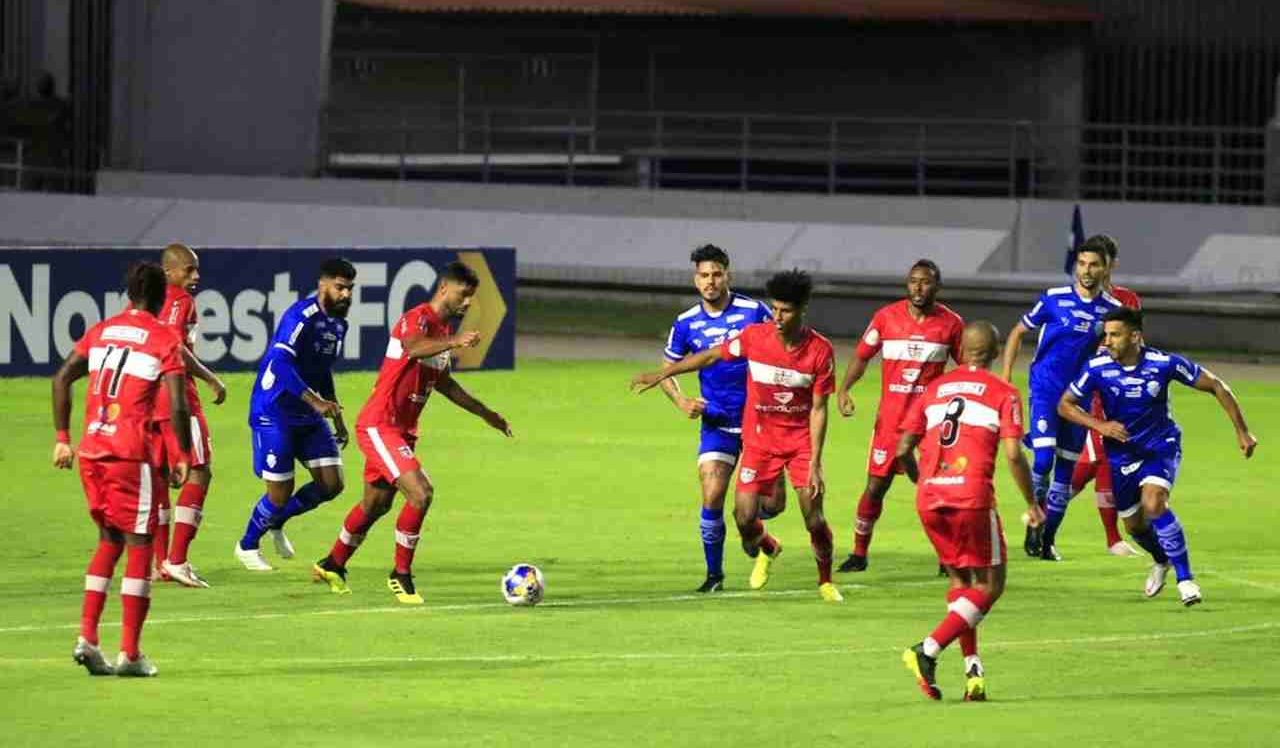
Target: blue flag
1074	240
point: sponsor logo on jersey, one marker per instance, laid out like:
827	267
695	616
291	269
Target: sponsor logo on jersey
697	325
782	398
910	375
1110	373
961	388
735	318
1130	468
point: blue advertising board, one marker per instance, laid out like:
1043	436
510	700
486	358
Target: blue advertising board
50	296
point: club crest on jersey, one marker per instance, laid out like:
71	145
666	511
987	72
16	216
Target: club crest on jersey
747	475
405	452
879	456
271	459
915	352
910	375
782	398
1153	388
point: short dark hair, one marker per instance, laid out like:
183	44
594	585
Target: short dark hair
338	267
929	265
1128	315
459	272
145	284
793	286
709	253
1101	245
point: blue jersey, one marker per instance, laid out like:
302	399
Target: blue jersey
1070	329
301	356
724	383
1138	397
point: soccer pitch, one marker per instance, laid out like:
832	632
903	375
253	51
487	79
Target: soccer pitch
598	488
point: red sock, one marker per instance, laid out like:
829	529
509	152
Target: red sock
968	639
160	540
408	528
351	535
186	521
865	523
965	612
767	542
135	597
820	540
1110	521
97	583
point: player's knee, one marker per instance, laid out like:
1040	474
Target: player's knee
332	485
1042	460
744	515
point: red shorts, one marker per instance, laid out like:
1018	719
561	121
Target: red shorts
1093	466
881	460
388	453
759	470
201	446
966	538
123	494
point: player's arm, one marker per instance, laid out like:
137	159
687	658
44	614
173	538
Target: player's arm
421	346
1017	459
906	454
650	379
852	375
199	370
1011	346
449	387
1207	381
75	367
175	388
329	392
693	407
282	363
1069	409
817	440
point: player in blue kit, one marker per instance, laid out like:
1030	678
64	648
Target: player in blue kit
1143	442
719	316
292	396
1070	322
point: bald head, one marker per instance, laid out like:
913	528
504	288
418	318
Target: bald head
181	266
980	343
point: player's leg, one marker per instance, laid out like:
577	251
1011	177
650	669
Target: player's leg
418	493
815	521
316	448
717	455
376	501
97	577
1070	440
133	487
189	511
757	477
1156	486
1127	490
167	443
1042	438
1104	493
870	506
273	456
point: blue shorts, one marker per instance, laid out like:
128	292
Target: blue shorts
275	447
1129	474
1045	428
720	443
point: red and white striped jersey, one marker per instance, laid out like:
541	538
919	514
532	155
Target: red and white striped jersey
781	384
912	353
962	417
179	315
404	383
129	354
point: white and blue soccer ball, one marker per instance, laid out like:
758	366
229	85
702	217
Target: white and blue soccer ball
523	585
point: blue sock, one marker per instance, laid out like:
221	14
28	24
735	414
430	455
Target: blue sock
1042	464
307	498
712	527
1147	539
1173	542
264	512
1059	495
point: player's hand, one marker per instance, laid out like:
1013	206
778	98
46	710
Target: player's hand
1248	443
466	340
178	474
844	400
1115	431
63	456
817	481
1034	516
498	422
219	391
693	407
326	408
340	433
646	381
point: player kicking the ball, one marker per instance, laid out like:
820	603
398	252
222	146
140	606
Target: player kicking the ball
960	422
790	375
417	361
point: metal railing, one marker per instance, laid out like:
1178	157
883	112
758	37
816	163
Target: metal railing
663	149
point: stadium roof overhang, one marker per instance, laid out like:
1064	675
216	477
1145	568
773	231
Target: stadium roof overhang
1053	11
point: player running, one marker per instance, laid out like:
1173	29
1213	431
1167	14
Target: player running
720	315
182	275
291	398
1143	443
1070	323
1093	460
914	337
791	373
133	362
416	363
960	423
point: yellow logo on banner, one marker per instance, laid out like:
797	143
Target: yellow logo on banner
485	315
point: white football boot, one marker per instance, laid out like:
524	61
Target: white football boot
1155	580
139	668
1189	591
284	549
91	657
252	559
1121	548
184	574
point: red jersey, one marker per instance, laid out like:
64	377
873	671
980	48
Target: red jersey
179	315
912	353
128	355
781	384
404	383
962	415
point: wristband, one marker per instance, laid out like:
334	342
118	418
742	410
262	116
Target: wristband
63	436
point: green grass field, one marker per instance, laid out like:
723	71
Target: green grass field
598	489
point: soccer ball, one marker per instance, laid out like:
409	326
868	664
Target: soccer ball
523	585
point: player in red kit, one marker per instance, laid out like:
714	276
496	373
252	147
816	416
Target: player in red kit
790	374
417	362
960	422
132	361
182	275
914	338
1093	465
